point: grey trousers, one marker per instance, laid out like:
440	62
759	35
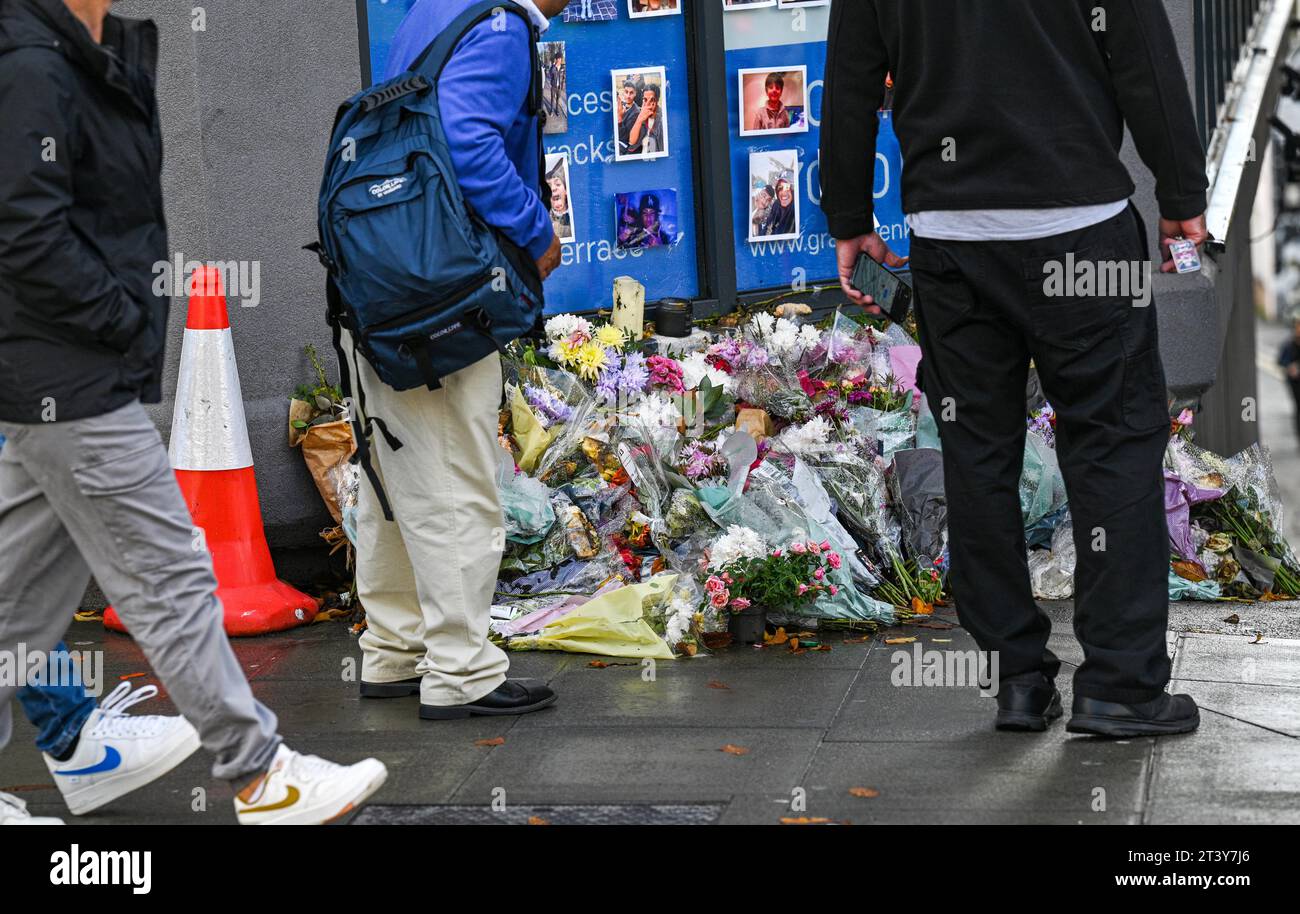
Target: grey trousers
99	495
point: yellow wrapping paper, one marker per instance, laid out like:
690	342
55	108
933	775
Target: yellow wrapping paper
611	624
533	440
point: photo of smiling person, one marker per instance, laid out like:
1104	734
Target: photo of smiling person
773	100
640	114
645	9
774	195
557	176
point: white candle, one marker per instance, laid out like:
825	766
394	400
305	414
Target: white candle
629	306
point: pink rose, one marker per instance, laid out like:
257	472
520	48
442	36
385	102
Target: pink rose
833	558
834	590
814	548
726	577
800	548
740	603
826	545
819	574
776	553
714	584
803	589
719	600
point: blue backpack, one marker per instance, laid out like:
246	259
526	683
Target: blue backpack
423	286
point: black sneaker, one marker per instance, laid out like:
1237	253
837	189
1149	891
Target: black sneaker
514	696
1027	703
1163	715
399	689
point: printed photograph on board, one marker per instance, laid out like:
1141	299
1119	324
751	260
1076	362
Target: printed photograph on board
554	85
645	9
746	4
557	176
773	100
640	114
646	219
799	4
591	10
774	195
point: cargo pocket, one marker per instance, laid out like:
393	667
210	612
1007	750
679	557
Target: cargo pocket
132	496
1145	405
1062	317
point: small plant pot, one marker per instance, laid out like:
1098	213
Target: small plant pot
748	626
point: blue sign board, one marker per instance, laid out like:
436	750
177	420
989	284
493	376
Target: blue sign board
592	51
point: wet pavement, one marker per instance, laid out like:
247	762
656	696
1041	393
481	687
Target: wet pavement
814	727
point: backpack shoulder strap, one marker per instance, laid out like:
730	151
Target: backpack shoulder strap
436	55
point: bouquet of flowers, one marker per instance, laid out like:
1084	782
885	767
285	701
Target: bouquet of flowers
783	578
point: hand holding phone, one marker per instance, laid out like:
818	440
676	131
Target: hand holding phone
886	290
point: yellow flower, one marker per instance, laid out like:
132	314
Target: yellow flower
590	359
609	335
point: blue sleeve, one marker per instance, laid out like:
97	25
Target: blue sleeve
483	88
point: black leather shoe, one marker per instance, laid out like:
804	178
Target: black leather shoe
1027	703
1165	714
399	689
514	696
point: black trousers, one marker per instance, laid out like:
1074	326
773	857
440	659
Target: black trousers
983	314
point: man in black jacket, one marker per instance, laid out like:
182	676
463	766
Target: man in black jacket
1011	115
85	481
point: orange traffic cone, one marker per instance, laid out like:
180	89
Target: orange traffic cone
214	465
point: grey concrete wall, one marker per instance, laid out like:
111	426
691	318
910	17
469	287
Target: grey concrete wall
247	105
1207	339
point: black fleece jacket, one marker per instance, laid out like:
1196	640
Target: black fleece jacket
1006	104
81	215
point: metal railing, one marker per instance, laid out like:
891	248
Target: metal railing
1224	33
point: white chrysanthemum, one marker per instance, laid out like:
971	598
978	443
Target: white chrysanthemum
810	337
761	325
695	368
737	543
655	411
810	438
563	326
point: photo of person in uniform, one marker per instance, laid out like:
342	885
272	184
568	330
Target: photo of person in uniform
554	86
591	11
773	101
647	219
774	195
640	114
557	177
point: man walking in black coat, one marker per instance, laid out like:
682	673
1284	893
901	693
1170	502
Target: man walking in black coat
1011	116
85	481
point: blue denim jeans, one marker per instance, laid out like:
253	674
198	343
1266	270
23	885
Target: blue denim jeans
58	712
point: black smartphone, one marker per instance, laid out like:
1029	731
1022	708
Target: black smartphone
887	290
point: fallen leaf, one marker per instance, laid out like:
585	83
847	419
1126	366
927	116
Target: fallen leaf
714	684
779	638
1188	571
794	645
1233	619
1259	638
899	640
861	640
537	820
598	664
818	820
865	792
820	647
494	741
734	750
687	647
715	640
921	608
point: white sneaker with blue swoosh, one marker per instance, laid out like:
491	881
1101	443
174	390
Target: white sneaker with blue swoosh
118	752
307	790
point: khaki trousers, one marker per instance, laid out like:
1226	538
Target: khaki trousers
427	578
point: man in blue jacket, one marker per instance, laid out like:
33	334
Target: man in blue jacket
428	577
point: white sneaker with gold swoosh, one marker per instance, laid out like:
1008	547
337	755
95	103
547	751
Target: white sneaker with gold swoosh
306	790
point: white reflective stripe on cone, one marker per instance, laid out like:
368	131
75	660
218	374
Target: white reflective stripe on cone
209	431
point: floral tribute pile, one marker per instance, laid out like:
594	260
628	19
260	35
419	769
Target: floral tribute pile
655	488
